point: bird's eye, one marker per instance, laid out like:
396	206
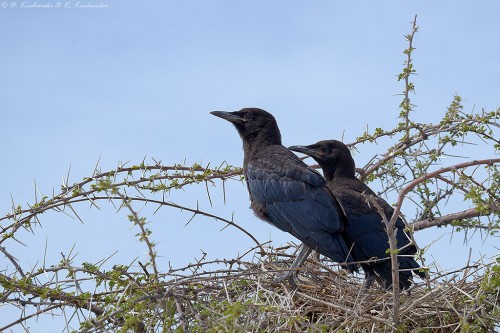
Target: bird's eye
248	116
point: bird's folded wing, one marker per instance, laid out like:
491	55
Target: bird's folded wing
298	202
367	231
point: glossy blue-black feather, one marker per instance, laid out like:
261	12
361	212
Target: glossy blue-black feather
294	198
366	230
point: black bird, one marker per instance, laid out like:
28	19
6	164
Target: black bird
287	193
365	229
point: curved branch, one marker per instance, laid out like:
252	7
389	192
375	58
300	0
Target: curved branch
435	174
37	313
13	261
447	219
134	217
57	295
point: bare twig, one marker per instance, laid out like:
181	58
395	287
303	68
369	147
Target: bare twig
393	248
434	174
13	261
449	218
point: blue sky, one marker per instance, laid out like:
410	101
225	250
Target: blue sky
139	78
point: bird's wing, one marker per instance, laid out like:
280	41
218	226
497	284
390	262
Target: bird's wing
296	200
366	226
367	231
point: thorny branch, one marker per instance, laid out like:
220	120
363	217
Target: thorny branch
434	174
104	187
393	251
145	233
203	298
241	295
453	217
406	106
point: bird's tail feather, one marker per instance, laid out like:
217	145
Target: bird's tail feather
407	265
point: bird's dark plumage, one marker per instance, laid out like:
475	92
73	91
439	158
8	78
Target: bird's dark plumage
284	191
365	228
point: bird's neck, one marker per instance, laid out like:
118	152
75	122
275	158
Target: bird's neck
253	144
337	172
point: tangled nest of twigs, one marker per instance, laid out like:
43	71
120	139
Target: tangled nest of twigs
244	297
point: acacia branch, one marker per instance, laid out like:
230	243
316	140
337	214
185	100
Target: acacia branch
54	295
435	174
13	261
447	219
66	193
36	314
140	222
75	193
406	105
425	131
393	250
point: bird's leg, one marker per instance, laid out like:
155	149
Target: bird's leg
369	278
299	260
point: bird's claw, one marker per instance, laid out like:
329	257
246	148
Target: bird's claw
369	279
289	276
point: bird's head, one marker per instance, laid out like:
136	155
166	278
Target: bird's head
333	157
253	125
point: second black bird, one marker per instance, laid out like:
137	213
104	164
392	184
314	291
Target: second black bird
365	229
284	191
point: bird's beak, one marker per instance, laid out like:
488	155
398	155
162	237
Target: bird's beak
229	116
303	149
